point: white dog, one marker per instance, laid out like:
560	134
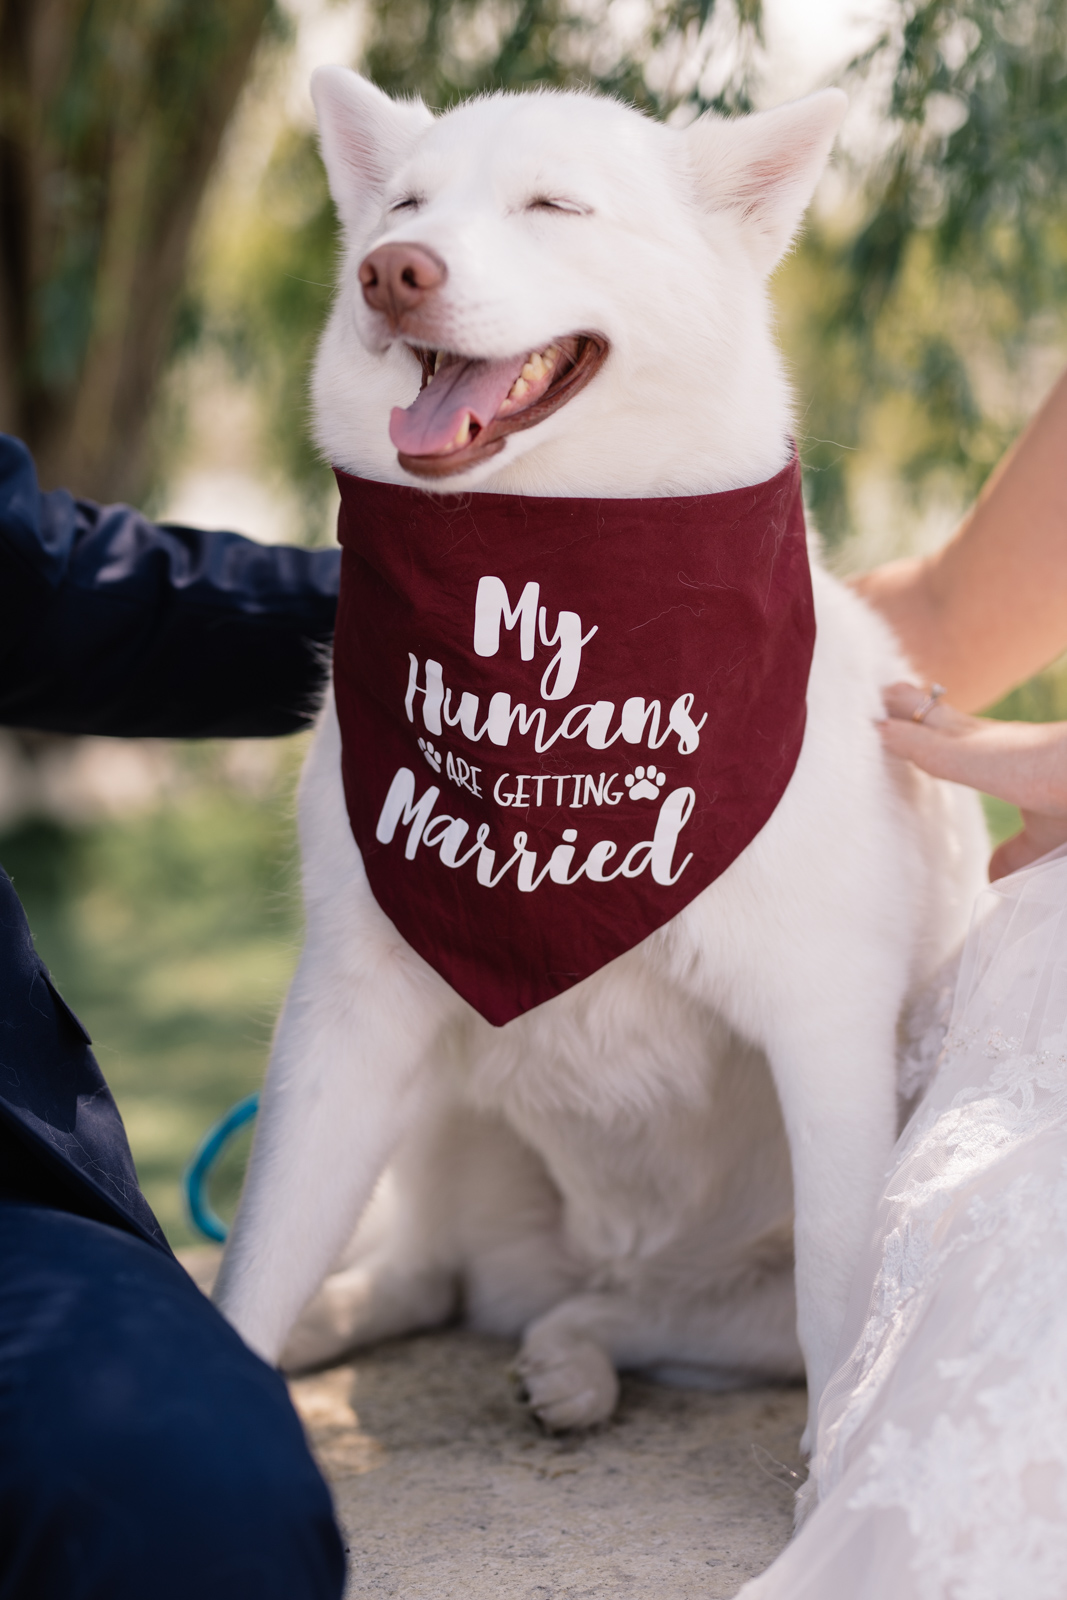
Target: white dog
612	1174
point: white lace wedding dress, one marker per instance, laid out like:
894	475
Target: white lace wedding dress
940	1459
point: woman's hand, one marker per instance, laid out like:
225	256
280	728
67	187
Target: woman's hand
1024	763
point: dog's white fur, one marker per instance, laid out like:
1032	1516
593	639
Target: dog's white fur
608	1176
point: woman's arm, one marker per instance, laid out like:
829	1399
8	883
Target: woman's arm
109	624
990	609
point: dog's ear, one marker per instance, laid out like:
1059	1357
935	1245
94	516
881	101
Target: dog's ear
364	136
764	167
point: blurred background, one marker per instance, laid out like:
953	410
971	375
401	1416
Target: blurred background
166	255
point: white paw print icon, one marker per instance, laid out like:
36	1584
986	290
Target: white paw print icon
433	756
644	783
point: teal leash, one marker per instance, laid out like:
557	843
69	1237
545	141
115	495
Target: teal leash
201	1213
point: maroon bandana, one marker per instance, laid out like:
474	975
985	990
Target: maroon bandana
562	719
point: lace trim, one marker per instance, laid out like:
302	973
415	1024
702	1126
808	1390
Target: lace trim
982	1481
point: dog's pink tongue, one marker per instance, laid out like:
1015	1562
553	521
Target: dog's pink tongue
478	388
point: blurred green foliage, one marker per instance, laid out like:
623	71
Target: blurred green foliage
914	308
173	934
1043	699
262	296
1002	819
111	113
446	50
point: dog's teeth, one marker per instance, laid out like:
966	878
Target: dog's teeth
463	433
438	362
534	370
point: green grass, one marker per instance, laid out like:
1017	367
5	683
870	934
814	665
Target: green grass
173	935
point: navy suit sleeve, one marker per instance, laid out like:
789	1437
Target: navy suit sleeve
112	625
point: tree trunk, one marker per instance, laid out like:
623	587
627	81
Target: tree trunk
111	115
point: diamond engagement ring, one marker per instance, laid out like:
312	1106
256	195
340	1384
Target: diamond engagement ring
922	711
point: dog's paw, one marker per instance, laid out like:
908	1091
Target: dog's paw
432	755
644	783
572	1387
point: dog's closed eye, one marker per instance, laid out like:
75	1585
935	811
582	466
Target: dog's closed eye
544	202
410	202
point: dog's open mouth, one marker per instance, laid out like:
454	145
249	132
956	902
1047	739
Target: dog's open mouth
466	409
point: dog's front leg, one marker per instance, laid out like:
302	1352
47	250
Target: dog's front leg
835	1076
349	1048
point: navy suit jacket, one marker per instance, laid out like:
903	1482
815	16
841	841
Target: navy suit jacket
111	625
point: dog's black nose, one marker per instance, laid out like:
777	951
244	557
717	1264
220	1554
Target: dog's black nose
397	278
